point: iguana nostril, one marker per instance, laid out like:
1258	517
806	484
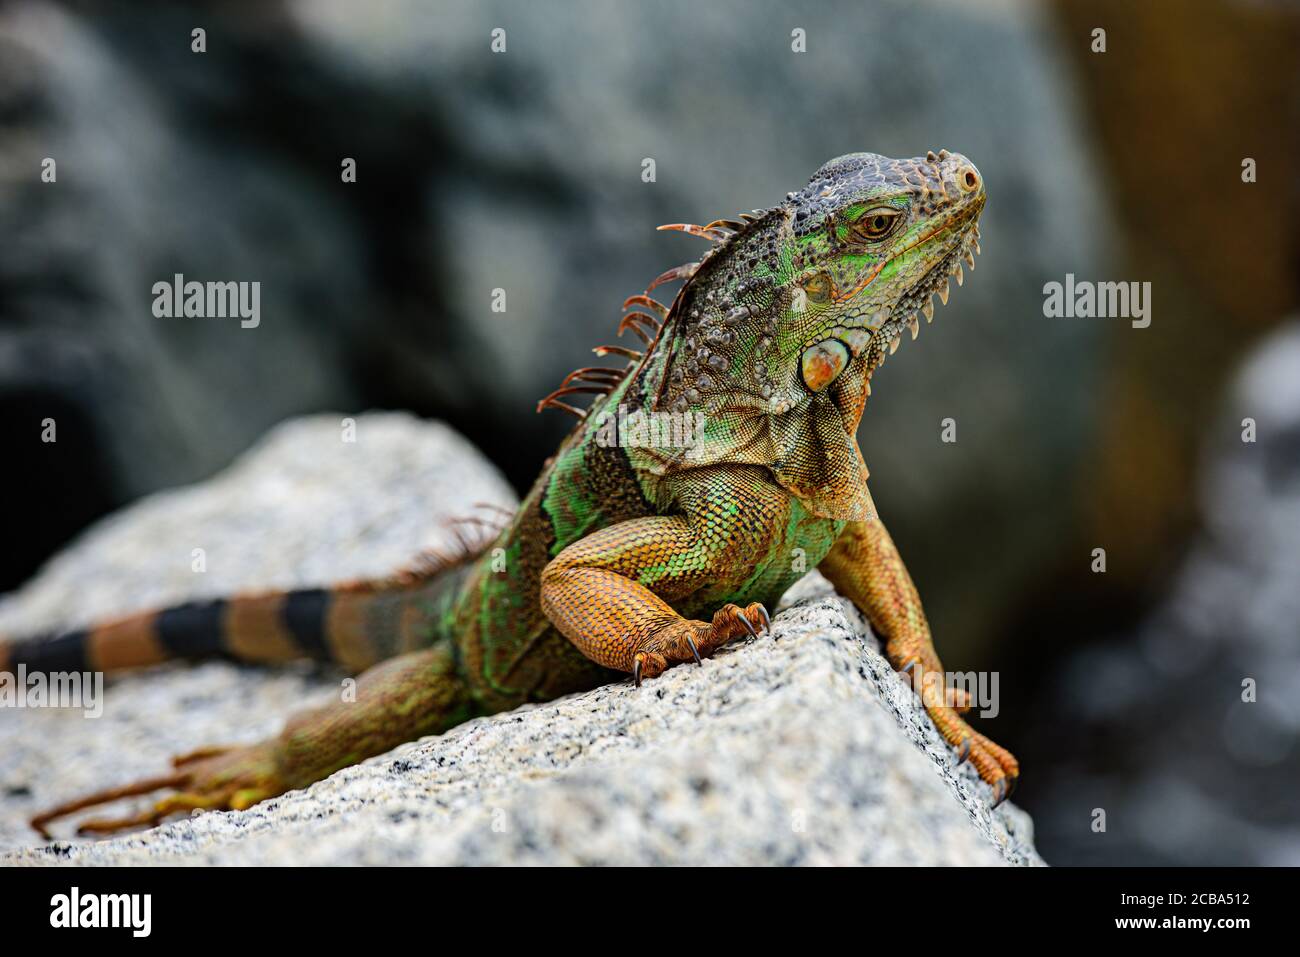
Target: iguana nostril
970	179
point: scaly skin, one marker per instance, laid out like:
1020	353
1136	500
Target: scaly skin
630	556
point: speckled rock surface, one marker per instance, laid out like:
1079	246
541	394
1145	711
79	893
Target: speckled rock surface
801	748
300	508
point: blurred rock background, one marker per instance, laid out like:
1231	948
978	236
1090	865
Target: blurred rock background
522	171
1183	727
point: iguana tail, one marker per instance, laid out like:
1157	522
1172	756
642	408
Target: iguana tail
355	625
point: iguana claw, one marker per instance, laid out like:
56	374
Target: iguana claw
694	650
750	618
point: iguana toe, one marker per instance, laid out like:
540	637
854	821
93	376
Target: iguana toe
211	779
694	640
996	765
732	621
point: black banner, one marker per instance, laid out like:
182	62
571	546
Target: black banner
273	906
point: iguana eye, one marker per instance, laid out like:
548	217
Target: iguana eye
822	363
875	224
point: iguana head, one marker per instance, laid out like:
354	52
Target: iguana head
873	240
776	334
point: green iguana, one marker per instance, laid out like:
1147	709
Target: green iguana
627	557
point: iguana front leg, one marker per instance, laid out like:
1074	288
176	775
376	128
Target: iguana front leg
864	565
609	593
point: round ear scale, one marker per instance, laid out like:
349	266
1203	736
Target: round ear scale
822	363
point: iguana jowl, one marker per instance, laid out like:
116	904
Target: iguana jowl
628	557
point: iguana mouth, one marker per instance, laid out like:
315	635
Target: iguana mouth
919	299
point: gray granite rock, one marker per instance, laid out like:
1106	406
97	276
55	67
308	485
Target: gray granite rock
302	507
800	748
